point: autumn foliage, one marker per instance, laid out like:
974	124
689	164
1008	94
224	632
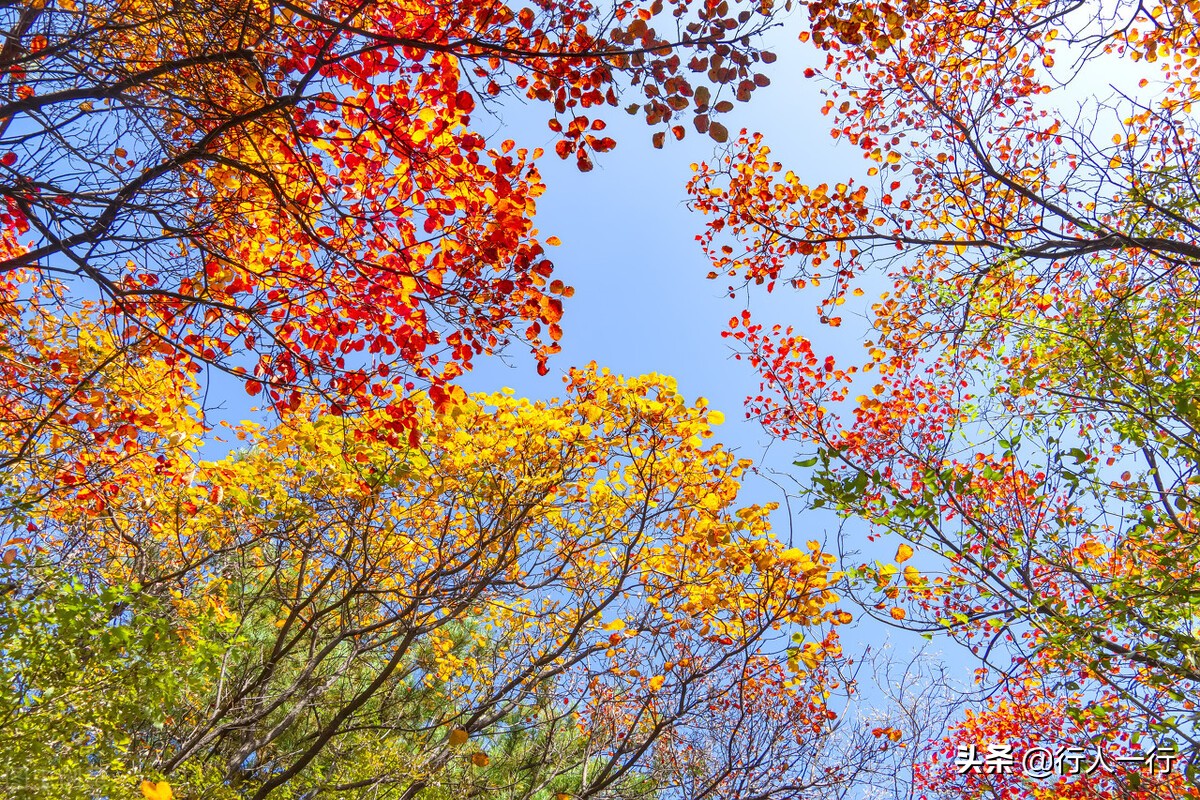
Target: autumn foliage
296	194
573	579
388	588
1024	418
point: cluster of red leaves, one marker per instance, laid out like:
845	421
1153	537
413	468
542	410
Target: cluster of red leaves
1102	763
297	193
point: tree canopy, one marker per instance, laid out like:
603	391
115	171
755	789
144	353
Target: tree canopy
1024	420
391	588
295	193
566	589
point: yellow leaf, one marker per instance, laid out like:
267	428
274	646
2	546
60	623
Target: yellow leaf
810	656
898	613
791	554
656	683
554	241
480	759
457	736
911	576
615	625
903	553
716	418
156	791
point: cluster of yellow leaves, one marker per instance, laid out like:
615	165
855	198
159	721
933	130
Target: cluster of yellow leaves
614	496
